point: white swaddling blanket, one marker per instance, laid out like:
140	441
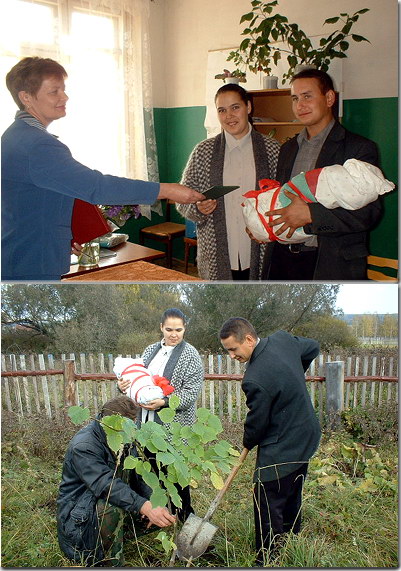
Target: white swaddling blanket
142	389
351	186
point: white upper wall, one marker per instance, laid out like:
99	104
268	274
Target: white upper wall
183	31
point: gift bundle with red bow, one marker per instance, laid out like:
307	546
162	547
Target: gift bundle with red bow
144	387
351	186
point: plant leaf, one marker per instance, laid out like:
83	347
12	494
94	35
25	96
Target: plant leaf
246	17
165	458
168	414
216	480
131	463
173	493
357	38
158	497
332	20
78	414
115	440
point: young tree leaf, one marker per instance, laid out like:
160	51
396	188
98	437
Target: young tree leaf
113	422
208	434
217	480
166	414
158	497
78	414
146	466
185	432
222	449
129	430
114	440
131	463
165	458
215	423
151	480
159	442
174	401
173	493
195	475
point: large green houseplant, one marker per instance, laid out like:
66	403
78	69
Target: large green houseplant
264	29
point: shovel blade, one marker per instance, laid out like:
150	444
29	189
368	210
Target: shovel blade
194	537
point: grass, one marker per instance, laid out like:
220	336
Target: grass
344	525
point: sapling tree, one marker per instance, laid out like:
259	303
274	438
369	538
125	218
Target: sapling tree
184	454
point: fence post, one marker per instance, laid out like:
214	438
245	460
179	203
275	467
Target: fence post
70	394
334	392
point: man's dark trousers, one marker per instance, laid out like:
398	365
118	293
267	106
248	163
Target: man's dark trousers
277	510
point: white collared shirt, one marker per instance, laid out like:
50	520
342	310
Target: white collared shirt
239	170
159	361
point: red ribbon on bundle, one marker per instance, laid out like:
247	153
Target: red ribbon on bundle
265	184
164	384
136	368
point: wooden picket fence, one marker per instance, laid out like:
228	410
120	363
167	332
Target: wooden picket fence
368	380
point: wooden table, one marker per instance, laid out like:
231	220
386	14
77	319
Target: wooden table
125	253
133	272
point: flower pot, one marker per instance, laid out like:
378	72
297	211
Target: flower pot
302	66
232	80
270	82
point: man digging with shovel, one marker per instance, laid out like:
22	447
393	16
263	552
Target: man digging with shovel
281	422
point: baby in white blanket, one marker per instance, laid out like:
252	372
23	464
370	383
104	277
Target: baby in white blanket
352	185
144	387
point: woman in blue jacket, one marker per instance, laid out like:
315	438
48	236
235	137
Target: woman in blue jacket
40	178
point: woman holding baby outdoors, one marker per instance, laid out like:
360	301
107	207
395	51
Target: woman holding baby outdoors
180	363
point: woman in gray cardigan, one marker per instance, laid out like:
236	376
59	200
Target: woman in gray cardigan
238	156
180	363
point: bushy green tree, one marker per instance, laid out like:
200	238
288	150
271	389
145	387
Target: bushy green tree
329	331
267	307
125	318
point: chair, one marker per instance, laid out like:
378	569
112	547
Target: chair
387	263
189	243
164	232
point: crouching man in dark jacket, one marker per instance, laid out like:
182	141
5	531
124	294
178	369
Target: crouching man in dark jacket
96	494
281	422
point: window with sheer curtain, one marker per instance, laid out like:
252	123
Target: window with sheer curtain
104	47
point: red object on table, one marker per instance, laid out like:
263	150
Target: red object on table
87	222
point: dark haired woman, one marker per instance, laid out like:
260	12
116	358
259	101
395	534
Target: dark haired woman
239	156
40	179
180	363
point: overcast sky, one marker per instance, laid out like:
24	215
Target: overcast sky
368	298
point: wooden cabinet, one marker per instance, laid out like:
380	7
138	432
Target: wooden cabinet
272	109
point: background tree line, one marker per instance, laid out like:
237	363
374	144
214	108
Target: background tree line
375	326
125	318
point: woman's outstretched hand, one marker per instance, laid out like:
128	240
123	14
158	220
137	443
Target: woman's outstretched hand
179	193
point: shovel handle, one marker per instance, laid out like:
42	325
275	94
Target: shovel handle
215	503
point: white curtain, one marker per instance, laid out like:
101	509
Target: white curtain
104	47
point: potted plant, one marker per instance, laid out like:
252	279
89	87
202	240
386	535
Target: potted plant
259	49
231	76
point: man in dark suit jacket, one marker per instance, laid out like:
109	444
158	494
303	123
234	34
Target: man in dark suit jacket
281	422
341	247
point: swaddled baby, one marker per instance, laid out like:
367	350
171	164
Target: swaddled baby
144	387
351	186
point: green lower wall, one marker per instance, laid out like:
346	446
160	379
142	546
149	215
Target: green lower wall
377	119
178	130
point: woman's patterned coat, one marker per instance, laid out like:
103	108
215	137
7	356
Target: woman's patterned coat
204	170
184	370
